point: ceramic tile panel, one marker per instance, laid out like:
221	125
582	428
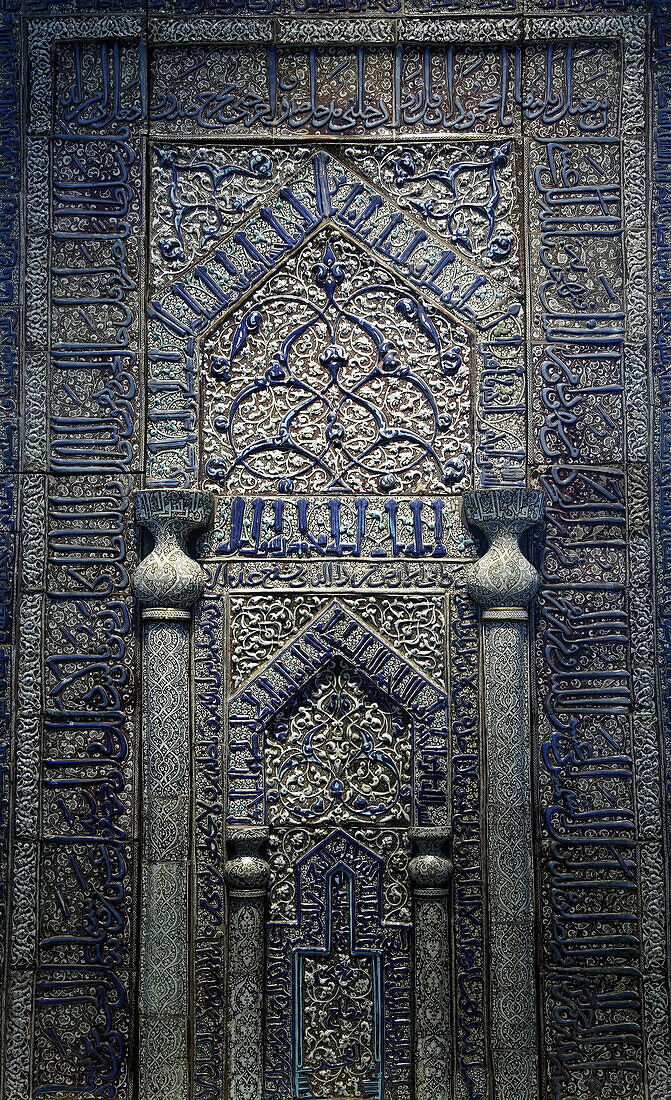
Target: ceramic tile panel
336	553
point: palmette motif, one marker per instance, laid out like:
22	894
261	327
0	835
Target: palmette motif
335	404
337	755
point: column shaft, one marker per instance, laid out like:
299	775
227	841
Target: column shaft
245	995
503	582
433	1070
430	872
247	875
509	861
164	1001
167	582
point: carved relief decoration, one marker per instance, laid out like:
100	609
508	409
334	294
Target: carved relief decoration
336	404
337	638
338	730
337	264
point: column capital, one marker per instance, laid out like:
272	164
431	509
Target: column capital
430	871
248	872
168	580
503	581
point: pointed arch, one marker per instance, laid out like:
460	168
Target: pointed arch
373	971
381	354
337	633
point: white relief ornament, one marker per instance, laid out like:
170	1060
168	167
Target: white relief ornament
340	753
247	870
390	414
429	870
168	577
288	845
503	576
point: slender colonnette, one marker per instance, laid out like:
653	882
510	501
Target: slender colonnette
503	583
168	583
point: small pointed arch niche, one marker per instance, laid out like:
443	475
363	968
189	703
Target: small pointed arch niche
337	746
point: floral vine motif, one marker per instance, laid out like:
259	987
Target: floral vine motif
343	423
340	1024
187	204
453	214
340	753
